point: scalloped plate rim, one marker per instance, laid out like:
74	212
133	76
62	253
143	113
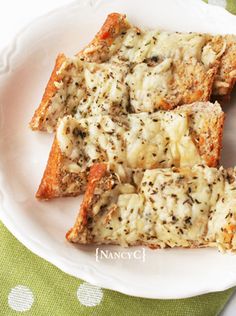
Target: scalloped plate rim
56	260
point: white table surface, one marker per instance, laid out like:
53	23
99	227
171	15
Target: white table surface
14	15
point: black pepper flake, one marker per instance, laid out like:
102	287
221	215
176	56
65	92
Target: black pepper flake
230	178
188	220
188	201
152	200
90	220
154	58
174	218
190	198
77	132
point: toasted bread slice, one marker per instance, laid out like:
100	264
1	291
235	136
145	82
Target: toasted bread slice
183	137
130	70
175	207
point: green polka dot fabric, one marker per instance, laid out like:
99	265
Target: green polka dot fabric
31	286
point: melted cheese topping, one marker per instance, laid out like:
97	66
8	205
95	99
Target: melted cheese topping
107	92
161	139
184	208
149	85
69	92
89	89
136	46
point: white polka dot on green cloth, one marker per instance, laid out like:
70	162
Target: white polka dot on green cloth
89	295
221	3
20	298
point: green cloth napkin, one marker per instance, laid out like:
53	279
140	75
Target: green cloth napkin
230	5
32	286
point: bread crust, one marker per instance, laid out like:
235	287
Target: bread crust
212	153
226	76
53	183
193	76
98	49
37	121
50	183
97	172
212	130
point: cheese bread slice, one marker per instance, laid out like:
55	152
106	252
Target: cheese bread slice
175	207
186	136
153	46
125	70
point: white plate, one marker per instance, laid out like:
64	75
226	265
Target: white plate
41	226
